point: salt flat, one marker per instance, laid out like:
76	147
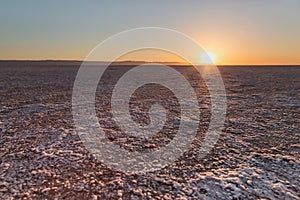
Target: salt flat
256	156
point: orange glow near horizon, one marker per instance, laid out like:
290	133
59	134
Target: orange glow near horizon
225	49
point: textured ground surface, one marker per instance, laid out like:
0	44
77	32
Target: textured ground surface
41	156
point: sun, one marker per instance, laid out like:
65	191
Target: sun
208	58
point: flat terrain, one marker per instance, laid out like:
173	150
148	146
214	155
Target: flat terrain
42	157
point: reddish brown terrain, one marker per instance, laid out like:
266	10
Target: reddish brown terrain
42	156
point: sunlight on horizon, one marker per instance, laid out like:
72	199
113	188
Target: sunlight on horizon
208	58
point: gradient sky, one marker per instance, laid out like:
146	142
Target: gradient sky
239	32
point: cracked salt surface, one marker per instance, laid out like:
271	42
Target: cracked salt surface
41	156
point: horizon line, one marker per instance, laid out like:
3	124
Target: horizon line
133	61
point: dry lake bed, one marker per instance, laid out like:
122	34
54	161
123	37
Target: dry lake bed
42	156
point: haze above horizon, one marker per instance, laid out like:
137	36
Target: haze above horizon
234	32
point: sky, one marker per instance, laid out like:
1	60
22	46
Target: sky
237	32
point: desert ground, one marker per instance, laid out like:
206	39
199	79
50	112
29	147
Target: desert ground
42	157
